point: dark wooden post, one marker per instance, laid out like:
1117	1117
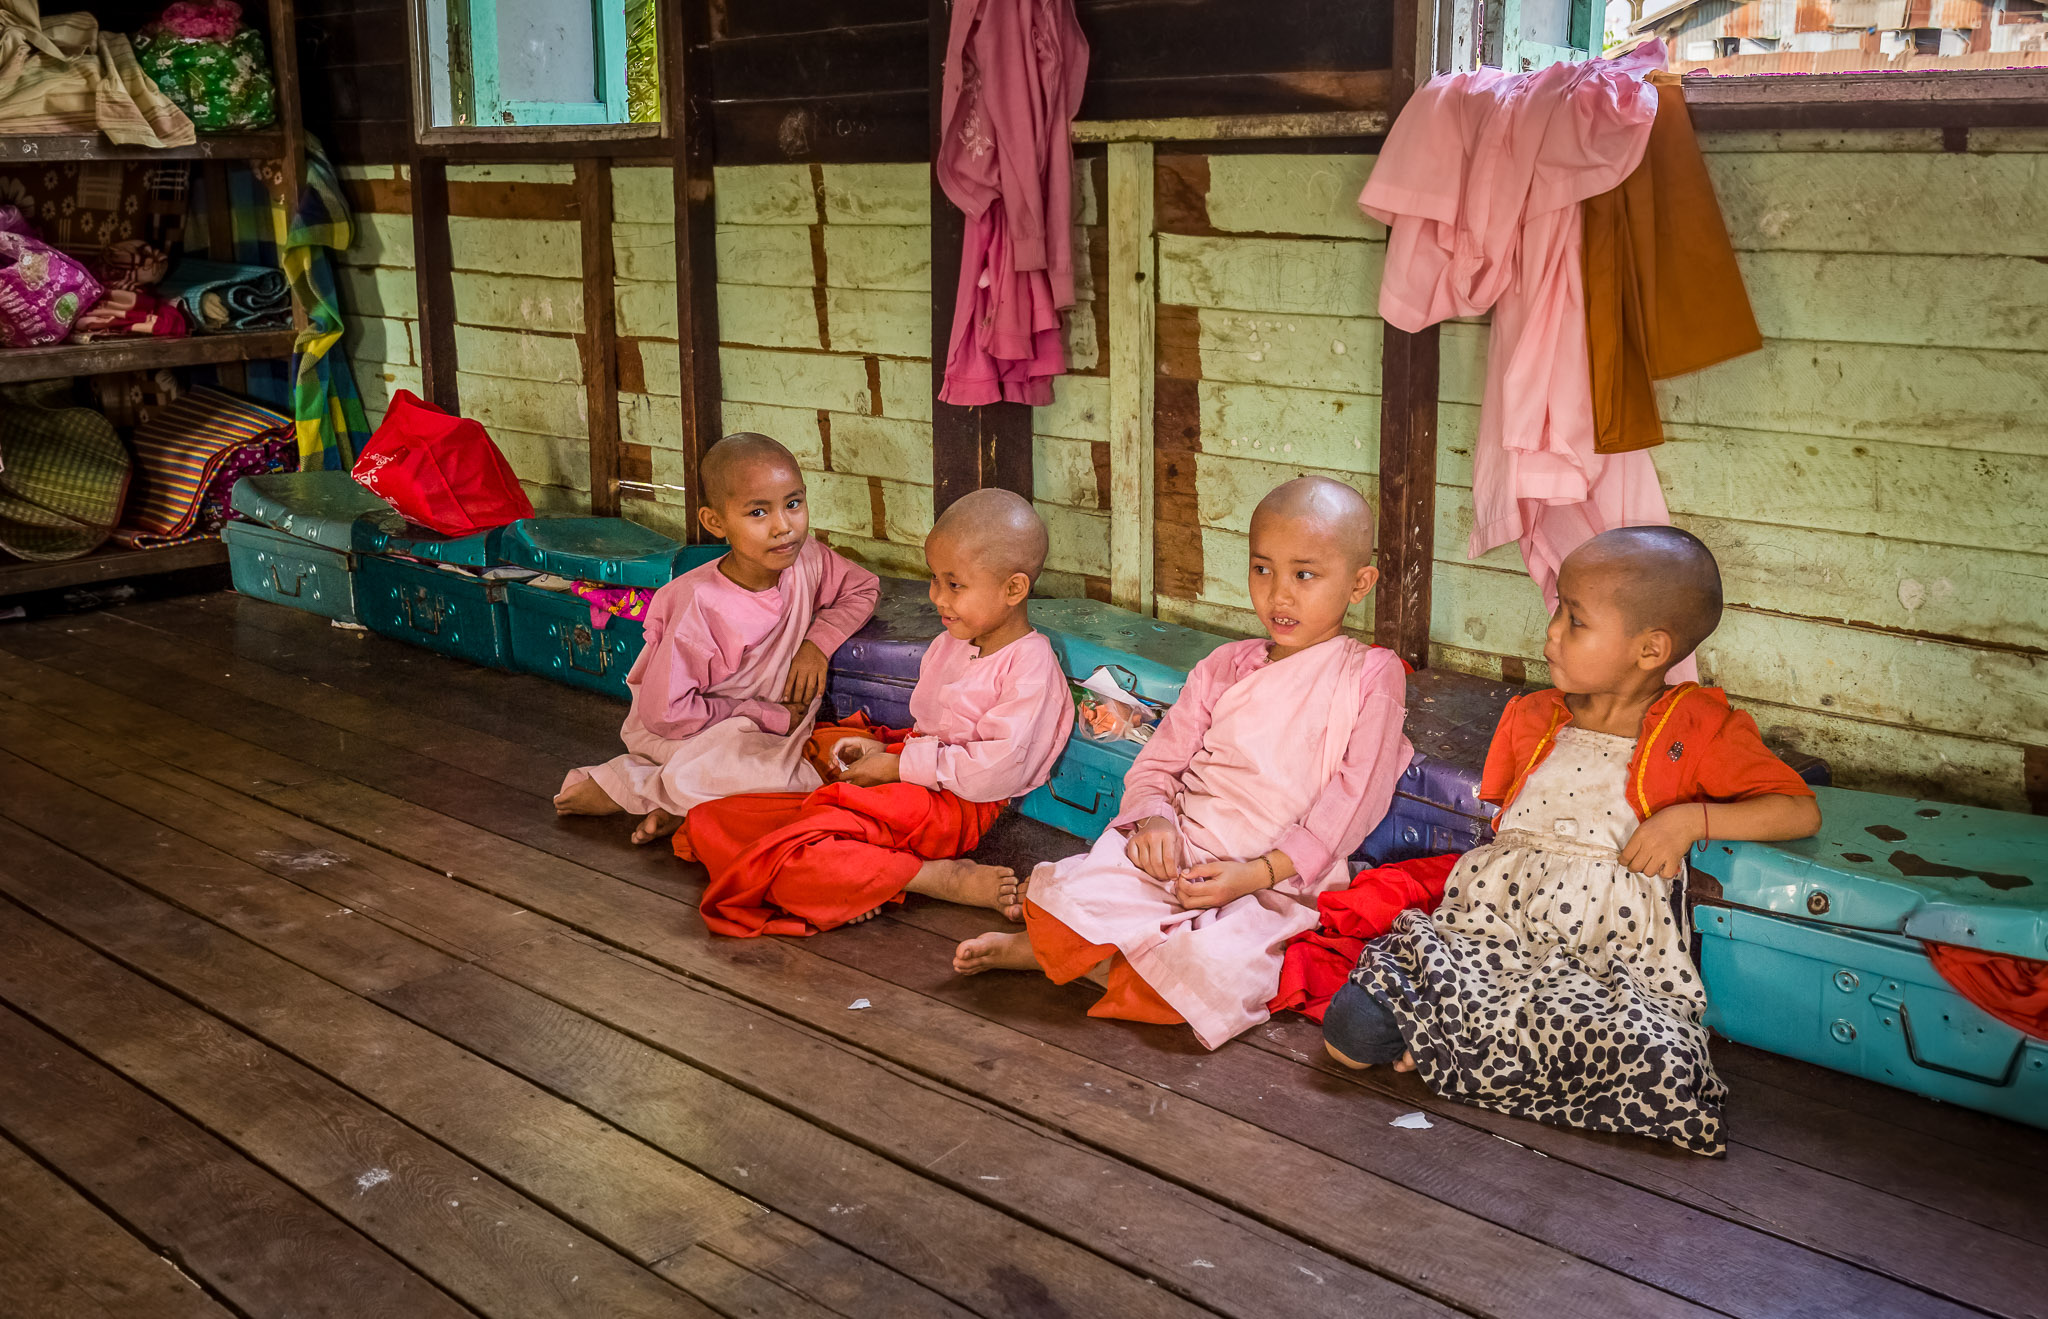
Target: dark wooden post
1408	395
686	105
972	448
599	344
434	278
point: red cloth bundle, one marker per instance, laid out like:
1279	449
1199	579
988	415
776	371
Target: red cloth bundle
1321	960
440	471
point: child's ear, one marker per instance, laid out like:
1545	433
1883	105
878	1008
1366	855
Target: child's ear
1362	584
1017	589
1657	650
714	525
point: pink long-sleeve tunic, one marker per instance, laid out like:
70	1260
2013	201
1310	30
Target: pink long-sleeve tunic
706	719
988	727
1301	755
1014	75
1481	180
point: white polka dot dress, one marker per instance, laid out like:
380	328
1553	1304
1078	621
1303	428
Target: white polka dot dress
1552	982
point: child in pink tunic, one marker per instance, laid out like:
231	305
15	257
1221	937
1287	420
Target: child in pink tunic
728	683
1279	758
992	713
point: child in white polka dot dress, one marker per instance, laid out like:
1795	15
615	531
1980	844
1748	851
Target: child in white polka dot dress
1555	979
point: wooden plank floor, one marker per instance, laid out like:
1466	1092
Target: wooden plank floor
311	1006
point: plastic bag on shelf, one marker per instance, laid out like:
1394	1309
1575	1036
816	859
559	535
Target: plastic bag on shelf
42	291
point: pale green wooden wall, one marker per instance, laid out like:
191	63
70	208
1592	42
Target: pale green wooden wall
1871	481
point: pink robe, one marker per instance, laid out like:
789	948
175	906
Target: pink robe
705	719
1481	181
1300	755
1014	75
987	729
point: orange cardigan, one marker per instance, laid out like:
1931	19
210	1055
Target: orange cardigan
1692	747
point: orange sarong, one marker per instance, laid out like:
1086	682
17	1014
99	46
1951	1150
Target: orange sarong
1664	295
1065	955
797	863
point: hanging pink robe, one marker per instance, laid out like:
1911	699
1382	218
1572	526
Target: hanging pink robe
706	719
1480	181
1300	755
1014	74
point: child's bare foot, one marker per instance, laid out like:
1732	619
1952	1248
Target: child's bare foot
1407	1063
969	883
864	916
655	824
585	798
1010	894
1343	1058
995	951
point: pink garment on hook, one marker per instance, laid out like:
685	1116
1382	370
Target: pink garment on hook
1014	75
1480	181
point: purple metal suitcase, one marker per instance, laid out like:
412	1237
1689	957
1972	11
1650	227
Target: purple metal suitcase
875	668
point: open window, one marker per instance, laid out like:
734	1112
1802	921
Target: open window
523	68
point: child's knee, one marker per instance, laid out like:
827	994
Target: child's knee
1362	1028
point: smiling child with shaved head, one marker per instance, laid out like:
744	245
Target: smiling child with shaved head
729	678
1280	756
992	712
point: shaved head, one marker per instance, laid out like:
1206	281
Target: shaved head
997	529
724	461
1661	578
1331	508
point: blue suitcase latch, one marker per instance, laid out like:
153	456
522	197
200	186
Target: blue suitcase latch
423	609
582	644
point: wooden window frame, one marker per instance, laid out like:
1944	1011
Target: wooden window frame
1947	99
552	141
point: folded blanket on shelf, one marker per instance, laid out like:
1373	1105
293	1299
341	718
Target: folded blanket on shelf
219	296
190	455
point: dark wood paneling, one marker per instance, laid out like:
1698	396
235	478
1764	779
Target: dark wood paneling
735	19
1240	93
692	132
1131	39
836	63
889	126
1408	390
435	282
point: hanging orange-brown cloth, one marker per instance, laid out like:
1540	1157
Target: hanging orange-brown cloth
1663	293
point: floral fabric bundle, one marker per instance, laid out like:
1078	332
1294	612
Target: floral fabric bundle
211	65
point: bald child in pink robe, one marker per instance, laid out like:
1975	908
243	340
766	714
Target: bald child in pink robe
1298	755
987	729
706	719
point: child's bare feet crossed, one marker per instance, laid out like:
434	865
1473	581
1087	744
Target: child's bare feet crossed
1010	894
997	950
655	824
585	798
969	883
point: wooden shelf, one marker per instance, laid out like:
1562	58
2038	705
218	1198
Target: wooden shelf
108	564
88	359
20	149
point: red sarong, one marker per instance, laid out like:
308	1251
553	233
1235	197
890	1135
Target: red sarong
1321	960
791	863
2012	989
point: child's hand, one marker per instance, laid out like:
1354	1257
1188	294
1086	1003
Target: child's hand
797	711
806	676
850	751
1154	847
872	770
1659	844
1219	882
